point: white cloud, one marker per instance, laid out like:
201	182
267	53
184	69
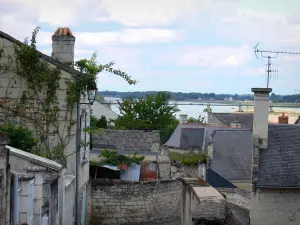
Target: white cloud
116	38
214	57
273	30
155	12
127	12
128	36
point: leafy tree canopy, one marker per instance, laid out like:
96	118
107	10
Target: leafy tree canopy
150	113
196	120
20	137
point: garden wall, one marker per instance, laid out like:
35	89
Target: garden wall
237	197
115	202
127	140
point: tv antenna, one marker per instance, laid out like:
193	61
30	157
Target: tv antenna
272	54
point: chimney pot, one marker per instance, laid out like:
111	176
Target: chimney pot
283	119
261	115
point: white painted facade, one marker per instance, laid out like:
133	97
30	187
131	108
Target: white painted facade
12	87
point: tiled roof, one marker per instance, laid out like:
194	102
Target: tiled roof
63	31
232	156
279	164
47	58
246	119
100	110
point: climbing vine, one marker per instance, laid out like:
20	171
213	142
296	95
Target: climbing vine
46	100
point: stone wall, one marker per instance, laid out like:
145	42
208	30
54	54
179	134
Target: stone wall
237	197
211	205
275	207
115	202
164	163
185	171
233	217
127	140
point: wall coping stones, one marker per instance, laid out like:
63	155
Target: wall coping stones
244	193
111	182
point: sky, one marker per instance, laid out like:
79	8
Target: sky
171	45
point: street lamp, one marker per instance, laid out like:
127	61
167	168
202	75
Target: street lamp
91	94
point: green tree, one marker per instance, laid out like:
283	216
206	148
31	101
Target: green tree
100	98
150	113
196	120
99	123
20	137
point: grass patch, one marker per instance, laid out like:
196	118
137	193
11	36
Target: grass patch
189	159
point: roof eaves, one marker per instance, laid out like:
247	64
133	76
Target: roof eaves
35	159
43	56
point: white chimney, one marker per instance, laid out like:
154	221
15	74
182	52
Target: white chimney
63	43
261	115
183	119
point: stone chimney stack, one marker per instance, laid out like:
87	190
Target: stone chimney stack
182	119
63	43
261	115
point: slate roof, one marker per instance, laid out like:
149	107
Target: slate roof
217	181
100	110
192	137
177	137
232	158
279	164
47	58
246	119
35	158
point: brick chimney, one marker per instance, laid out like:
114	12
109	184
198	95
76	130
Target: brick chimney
283	119
63	43
261	115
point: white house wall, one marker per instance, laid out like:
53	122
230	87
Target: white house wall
15	90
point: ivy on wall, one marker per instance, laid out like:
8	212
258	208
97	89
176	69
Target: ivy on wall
38	106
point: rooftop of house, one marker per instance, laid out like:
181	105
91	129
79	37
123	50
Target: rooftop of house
279	164
45	57
193	134
232	154
34	158
100	110
246	119
217	181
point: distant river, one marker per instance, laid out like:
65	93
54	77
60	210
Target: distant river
190	110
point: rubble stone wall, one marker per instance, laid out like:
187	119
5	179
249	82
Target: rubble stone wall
115	202
127	140
237	197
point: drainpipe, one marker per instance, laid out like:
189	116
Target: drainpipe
76	204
